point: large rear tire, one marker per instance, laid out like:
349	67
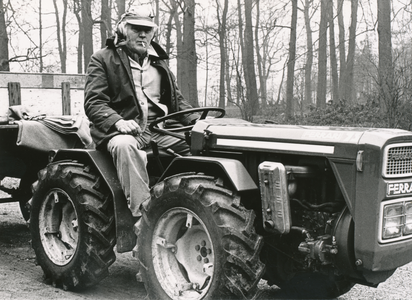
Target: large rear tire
72	225
196	241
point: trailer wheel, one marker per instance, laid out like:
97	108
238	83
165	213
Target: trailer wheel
196	241
72	225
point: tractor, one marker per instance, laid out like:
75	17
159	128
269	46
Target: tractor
312	210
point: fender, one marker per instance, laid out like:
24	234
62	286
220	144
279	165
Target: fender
230	169
126	239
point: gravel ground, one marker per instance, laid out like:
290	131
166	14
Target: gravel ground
20	278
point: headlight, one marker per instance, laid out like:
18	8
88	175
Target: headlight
392	221
396	220
408	219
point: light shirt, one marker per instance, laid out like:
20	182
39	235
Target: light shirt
147	80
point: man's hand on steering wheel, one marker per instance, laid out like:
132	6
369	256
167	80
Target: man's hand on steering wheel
172	131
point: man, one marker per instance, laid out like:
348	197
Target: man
128	85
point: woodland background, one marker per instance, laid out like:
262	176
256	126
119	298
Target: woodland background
323	62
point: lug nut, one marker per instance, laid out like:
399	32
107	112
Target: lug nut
199	258
197	248
358	262
203	243
206	260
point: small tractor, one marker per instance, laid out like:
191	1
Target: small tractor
312	210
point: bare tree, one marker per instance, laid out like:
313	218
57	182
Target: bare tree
179	41
222	48
105	22
40	37
249	63
385	58
260	67
87	25
346	82
61	34
291	61
169	29
77	11
309	54
322	57
189	81
342	48
121	8
332	52
267	47
4	41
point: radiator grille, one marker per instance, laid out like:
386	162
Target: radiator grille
398	160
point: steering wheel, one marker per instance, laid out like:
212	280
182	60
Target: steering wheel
172	131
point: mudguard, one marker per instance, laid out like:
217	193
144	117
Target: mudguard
126	239
231	169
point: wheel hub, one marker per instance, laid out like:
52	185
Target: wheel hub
194	253
183	255
58	227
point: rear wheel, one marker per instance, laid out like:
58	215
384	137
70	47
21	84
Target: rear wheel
72	225
196	241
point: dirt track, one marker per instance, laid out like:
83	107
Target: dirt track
20	278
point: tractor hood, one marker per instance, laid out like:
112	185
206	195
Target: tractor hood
236	134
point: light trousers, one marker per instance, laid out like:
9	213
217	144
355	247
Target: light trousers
130	160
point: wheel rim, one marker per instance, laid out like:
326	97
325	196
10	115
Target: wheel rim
183	254
58	227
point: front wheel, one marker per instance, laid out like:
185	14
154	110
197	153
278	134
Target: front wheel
72	225
196	241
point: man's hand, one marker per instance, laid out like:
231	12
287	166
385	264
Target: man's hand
128	127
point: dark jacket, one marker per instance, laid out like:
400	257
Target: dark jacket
110	92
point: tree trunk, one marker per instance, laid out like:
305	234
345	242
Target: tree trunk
291	61
309	55
189	80
249	67
260	63
168	34
386	77
87	22
180	63
342	51
241	97
77	10
64	36
61	34
40	37
322	58
121	8
348	87
222	47
228	73
332	51
105	22
4	41
157	19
